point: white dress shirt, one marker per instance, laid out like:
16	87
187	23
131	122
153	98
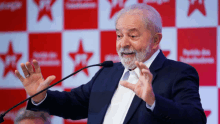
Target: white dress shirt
122	97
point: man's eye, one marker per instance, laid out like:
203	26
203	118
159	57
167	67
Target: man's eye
118	36
133	36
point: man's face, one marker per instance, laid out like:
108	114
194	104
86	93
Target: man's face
133	40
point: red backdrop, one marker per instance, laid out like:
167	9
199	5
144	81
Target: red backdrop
65	35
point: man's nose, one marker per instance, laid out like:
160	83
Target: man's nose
125	42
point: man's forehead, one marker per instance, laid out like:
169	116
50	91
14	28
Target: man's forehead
129	22
127	29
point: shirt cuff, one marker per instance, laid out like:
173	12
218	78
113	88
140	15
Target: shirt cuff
151	107
37	104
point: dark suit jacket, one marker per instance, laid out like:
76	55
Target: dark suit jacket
175	85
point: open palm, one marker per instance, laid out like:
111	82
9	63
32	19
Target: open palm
34	81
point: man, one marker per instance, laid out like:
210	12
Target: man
30	117
144	88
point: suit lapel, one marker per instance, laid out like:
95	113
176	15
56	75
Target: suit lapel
134	105
156	64
109	88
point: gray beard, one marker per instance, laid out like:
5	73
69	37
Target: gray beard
129	63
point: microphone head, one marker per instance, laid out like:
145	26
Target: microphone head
107	64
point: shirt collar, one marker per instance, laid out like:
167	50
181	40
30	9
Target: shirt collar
147	63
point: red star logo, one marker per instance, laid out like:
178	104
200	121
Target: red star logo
115	8
196	4
10	59
44	8
166	52
81	58
207	113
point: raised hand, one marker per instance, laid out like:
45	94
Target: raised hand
143	88
34	81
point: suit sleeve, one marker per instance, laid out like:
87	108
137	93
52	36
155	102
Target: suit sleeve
185	106
69	105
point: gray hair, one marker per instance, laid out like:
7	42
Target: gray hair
151	17
27	114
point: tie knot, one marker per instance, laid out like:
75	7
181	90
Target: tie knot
130	76
126	76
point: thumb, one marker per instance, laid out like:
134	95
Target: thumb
49	80
127	85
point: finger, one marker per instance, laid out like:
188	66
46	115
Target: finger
49	80
143	66
138	65
128	85
29	67
36	66
147	74
19	75
24	69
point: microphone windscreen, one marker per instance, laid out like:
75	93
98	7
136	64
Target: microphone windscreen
107	64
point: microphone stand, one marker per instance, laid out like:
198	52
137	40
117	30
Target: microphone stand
106	64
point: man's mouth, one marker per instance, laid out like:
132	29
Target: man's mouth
127	53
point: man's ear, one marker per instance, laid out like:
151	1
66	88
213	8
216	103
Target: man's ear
156	40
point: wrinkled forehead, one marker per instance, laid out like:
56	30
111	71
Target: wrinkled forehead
128	30
130	22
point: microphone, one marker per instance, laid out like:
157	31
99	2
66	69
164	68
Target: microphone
104	64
